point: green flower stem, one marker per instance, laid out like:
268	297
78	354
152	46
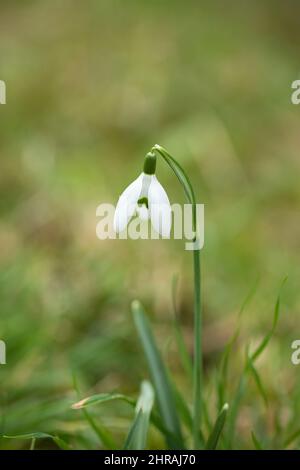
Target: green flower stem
197	369
197	365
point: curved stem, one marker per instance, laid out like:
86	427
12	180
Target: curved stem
197	364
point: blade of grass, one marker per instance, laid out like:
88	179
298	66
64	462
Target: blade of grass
104	436
228	349
160	379
234	409
101	398
257	444
137	436
157	422
291	438
183	409
238	398
186	415
249	366
41	435
32	444
206	417
243	380
222	382
258	381
262	346
213	439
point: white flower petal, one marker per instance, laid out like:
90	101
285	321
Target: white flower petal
143	212
126	204
146	182
160	208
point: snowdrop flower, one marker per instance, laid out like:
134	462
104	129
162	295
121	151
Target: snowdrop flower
147	198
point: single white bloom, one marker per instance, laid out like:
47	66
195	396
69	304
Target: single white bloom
147	198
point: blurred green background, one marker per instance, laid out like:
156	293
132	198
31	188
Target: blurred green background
91	87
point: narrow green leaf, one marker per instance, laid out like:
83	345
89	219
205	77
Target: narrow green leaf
106	397
236	402
249	367
218	428
137	436
258	381
262	346
30	435
206	416
160	426
186	416
41	435
234	409
32	444
104	436
62	444
133	434
163	388
256	442
291	438
235	335
183	409
243	380
222	382
101	398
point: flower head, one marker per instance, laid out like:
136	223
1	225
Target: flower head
147	198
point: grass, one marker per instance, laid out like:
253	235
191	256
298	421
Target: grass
214	88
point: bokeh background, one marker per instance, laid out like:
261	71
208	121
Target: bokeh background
91	87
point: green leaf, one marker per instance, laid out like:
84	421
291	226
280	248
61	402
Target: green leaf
222	381
218	428
31	435
137	436
291	438
257	444
32	445
157	422
41	435
262	346
235	335
101	398
186	415
106	397
104	436
258	381
160	379
234	409
243	380
183	409
206	416
62	444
